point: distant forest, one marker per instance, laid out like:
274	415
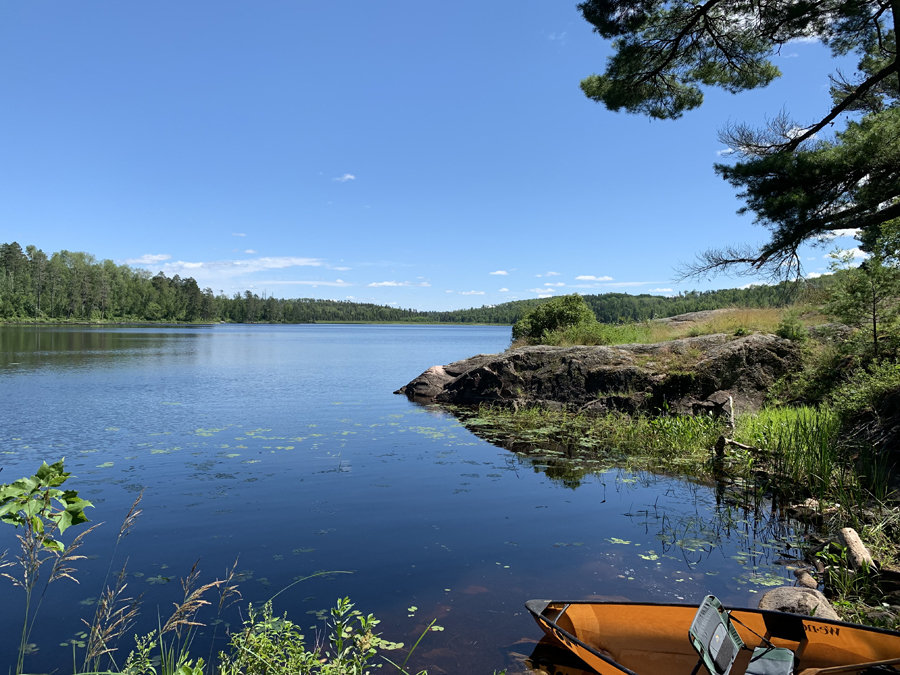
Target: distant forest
71	286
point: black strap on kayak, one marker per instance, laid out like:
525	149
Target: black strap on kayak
737	620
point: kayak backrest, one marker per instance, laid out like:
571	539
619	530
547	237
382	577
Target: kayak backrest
714	637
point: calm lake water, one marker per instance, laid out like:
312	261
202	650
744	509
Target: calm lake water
284	447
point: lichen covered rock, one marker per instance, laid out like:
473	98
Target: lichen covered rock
676	375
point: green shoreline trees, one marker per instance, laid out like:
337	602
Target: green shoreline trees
74	286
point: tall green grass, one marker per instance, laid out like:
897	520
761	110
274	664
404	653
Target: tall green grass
675	443
599	334
800	450
801	444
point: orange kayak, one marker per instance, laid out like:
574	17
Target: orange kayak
652	639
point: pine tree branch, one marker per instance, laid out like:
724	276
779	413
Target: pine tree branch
675	43
857	94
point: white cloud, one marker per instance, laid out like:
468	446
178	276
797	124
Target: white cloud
504	290
814	275
448	291
544	295
501	272
541	290
557	36
148	259
623	284
795	132
379	284
557	284
804	39
221	270
339	283
238	234
857	253
249	250
471	293
345	178
724	152
341	269
552	274
590	277
851	232
660	290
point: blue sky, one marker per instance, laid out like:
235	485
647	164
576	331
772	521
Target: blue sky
432	155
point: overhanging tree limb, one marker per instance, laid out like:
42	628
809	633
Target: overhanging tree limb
799	181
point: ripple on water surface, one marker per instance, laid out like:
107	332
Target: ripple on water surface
280	450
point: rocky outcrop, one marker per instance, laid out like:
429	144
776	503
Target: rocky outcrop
679	374
692	318
433	381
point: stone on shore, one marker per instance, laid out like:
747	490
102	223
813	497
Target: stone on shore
806	601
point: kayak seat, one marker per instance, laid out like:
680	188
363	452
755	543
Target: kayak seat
717	642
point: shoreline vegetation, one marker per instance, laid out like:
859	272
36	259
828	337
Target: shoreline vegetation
111	322
68	285
822	450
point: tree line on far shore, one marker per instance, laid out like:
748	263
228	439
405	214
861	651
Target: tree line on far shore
75	286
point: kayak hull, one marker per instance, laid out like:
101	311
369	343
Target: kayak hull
652	639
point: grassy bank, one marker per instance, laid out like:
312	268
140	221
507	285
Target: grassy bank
797	450
728	321
808	462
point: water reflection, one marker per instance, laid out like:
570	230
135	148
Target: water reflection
36	347
284	447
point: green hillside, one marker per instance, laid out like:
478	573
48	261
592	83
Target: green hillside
73	286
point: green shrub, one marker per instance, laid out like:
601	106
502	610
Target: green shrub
269	645
792	328
865	389
597	334
567	310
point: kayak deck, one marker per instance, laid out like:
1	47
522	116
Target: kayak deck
652	639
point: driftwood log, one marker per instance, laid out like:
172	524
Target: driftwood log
857	553
722	442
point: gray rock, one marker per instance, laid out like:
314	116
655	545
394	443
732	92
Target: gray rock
433	381
623	377
833	333
682	320
806	601
805	579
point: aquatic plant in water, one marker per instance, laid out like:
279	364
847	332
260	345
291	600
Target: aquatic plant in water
44	513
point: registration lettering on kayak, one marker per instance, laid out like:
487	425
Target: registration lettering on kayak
822	630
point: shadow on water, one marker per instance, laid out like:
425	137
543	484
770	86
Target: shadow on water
284	446
752	511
